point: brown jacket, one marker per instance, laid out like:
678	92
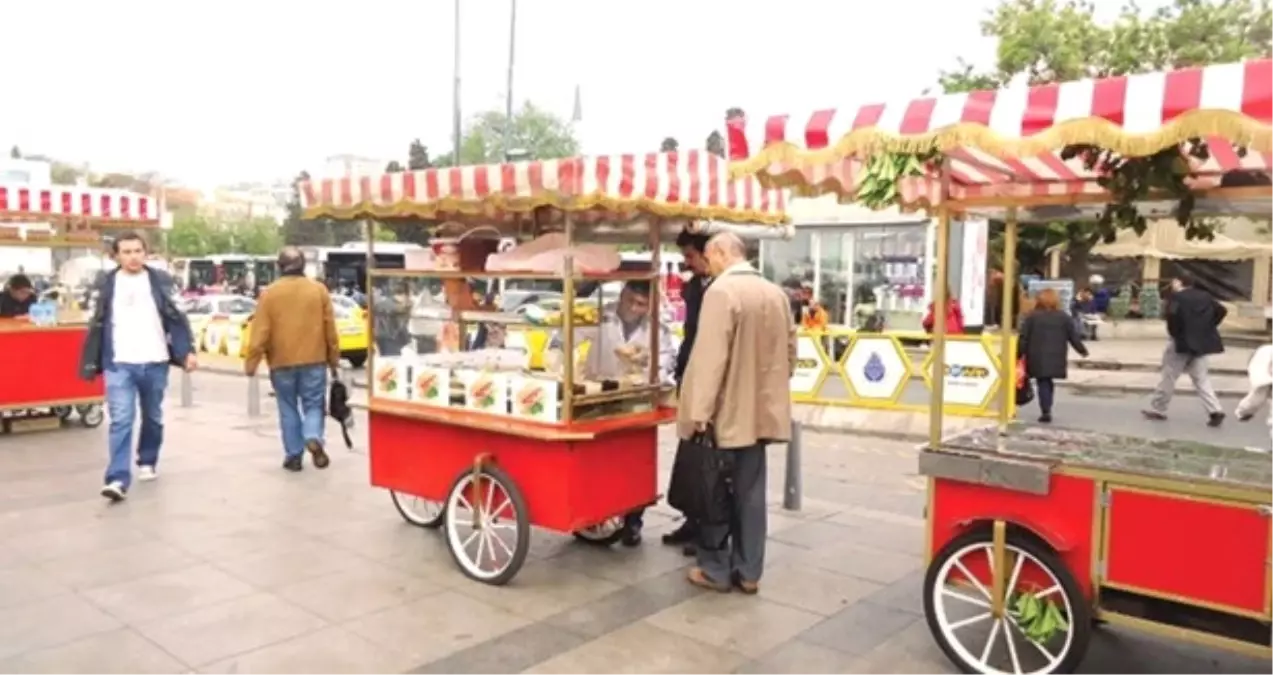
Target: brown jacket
739	372
294	325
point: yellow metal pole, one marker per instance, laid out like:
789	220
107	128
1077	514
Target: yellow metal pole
568	325
942	255
1007	324
999	564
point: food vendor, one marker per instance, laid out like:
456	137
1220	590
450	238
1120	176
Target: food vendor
620	342
17	298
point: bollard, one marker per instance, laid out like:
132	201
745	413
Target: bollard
254	396
187	390
791	491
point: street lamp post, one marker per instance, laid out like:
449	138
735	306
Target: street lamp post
508	96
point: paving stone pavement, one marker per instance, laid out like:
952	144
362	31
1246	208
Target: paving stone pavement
229	565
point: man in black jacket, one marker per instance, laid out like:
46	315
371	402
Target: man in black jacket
1193	322
692	247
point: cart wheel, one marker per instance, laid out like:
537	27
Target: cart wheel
62	411
91	416
605	533
492	551
417	510
957	607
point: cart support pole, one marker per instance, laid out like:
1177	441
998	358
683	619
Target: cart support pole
940	298
187	389
254	396
999	573
791	491
1007	322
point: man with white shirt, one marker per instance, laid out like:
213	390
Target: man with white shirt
136	334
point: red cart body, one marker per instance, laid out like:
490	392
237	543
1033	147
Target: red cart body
40	366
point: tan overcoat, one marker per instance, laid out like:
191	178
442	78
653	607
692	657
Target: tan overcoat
741	364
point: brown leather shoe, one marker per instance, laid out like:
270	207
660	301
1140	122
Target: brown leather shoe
745	587
698	578
319	455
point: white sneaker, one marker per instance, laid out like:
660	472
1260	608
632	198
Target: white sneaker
146	474
114	491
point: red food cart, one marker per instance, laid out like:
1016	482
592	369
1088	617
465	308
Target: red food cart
472	438
1034	533
53	233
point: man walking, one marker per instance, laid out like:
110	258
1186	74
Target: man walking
1193	322
693	249
136	333
299	355
736	389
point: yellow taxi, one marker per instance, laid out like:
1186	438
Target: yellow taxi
351	327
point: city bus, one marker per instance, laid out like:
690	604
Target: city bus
196	275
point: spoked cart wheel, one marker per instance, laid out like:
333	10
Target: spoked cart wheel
605	533
91	415
63	412
1046	621
487	525
418	511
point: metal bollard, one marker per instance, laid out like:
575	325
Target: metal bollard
187	390
791	491
254	396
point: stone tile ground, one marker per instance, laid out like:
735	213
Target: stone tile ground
227	564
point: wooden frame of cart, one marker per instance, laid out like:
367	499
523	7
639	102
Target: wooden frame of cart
1042	545
481	467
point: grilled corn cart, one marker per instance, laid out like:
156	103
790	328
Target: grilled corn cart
485	435
54	235
1034	534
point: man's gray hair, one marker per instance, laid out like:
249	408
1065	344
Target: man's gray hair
729	244
291	260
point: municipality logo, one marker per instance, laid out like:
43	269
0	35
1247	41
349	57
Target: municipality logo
874	368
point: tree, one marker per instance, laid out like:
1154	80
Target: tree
669	144
418	156
1047	41
299	231
15	153
534	131
193	235
393	167
716	143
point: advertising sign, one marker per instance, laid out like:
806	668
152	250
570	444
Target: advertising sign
809	367
875	368
972	282
971	373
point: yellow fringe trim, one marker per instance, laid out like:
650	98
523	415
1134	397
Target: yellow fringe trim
1232	126
496	204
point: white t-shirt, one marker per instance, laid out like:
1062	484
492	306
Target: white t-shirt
137	331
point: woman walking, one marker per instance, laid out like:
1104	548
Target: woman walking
1045	333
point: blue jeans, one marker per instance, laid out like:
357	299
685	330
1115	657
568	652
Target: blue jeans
301	393
128	386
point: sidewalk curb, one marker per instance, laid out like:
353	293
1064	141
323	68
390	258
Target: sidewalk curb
1142	367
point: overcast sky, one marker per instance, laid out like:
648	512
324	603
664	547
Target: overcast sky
215	91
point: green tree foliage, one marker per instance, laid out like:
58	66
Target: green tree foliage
715	143
299	231
537	132
418	156
1046	41
669	144
193	235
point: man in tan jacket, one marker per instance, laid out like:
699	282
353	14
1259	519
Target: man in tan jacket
294	329
736	387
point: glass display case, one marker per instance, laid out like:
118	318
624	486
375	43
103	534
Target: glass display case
496	344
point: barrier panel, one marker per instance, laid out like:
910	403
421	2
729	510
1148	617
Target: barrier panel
893	371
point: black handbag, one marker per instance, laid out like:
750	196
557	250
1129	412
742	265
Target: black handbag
701	485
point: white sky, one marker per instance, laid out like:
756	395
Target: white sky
217	91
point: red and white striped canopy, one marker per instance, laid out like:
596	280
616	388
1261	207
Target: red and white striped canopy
1006	143
103	207
692	185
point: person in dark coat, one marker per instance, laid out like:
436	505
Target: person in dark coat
1193	322
1045	333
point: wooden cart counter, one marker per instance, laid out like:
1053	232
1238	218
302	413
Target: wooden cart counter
39	366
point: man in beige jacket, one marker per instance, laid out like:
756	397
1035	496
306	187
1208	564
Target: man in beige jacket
737	387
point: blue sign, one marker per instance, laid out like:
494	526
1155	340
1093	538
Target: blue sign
874	368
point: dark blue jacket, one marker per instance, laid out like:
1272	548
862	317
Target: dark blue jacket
692	293
99	350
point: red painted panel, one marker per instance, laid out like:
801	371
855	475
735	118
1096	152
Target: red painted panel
1192	549
39	365
568	485
1063	517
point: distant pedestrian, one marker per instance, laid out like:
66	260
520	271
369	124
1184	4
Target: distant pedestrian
954	316
135	335
1193	322
17	297
737	391
1046	332
1260	374
294	330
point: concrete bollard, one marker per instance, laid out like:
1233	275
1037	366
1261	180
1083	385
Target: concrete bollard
187	390
254	396
791	491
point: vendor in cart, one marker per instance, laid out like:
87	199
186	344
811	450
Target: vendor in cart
625	328
17	297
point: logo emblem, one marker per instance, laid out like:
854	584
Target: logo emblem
874	368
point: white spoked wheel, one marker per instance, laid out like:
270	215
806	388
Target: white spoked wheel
605	533
418	511
487	526
91	415
958	607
